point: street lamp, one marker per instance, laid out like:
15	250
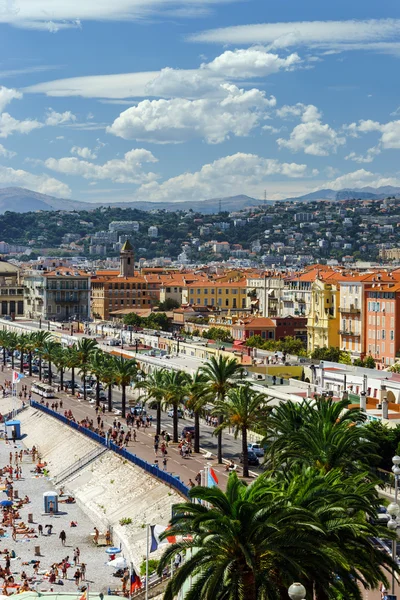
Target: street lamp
297	591
394	510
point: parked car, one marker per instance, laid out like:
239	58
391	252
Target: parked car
81	389
257	449
113	342
170	413
188	429
252	459
140	410
381	518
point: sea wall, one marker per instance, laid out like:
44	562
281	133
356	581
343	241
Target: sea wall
108	489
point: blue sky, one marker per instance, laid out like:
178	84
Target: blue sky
165	100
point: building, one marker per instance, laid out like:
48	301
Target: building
124	226
113	291
269	329
153	231
11	290
382	322
225	295
61	294
323	317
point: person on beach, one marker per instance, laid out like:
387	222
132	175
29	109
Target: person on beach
63	537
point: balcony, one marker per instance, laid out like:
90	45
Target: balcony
348	332
353	310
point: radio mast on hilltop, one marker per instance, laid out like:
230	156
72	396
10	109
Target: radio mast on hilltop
220	206
265	199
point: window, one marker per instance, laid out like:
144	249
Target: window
219	291
191	292
392	334
383	334
219	301
206	291
205	301
227	302
369	319
58	309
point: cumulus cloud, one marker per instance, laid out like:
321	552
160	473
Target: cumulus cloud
83	152
6	153
37	183
225	176
9	125
311	136
390	132
251	62
368	157
177	120
54	118
6	95
129	169
360	179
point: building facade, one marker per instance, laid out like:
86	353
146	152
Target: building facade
11	291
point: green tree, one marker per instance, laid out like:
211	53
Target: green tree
60	359
84	350
12	343
242	410
198	396
168	304
41	337
222	373
124	371
73	362
395	368
108	378
174	393
132	319
369	362
345	358
96	367
218	334
331	354
154	387
48	352
22	344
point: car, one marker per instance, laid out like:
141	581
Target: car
381	518
140	410
252	458
69	385
113	342
81	389
257	449
188	429
6	318
170	413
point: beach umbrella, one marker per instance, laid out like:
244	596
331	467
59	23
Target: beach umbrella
6	503
113	550
118	563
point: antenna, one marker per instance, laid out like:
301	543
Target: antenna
220	206
265	199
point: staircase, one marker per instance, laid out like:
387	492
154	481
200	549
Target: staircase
80	464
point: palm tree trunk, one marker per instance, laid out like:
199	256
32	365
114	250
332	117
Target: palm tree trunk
4	355
109	408
61	378
73	381
196	431
97	391
30	363
175	424
245	453
12	359
158	418
40	368
50	373
219	440
123	407
21	361
84	384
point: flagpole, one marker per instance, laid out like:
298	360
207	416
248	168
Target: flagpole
130	579
147	560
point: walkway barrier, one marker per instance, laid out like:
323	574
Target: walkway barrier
153	469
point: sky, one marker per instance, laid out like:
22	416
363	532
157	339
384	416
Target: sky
174	100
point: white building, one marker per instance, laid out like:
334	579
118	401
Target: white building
124	226
153	231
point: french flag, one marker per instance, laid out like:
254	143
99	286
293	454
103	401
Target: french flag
136	582
212	480
156	531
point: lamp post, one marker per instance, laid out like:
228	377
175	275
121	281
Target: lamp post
297	591
394	510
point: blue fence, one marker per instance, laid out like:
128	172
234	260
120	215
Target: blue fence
154	470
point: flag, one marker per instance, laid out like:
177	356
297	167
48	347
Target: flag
17	376
136	582
84	595
156	531
212	479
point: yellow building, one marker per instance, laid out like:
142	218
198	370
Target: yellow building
224	295
323	319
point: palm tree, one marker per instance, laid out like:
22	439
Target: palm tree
97	363
85	348
221	373
174	393
243	411
22	344
48	352
198	395
30	348
40	338
72	360
12	343
107	377
125	371
60	359
320	432
3	343
154	387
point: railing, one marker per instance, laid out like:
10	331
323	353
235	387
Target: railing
171	480
80	464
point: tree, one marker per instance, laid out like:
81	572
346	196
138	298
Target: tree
221	373
41	337
154	387
132	319
60	359
322	433
30	348
157	321
73	363
84	350
345	358
124	371
107	377
369	362
96	367
331	354
168	304
242	410
218	334
12	343
48	352
395	368
174	392
22	343
198	395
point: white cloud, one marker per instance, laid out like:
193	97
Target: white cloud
54	16
225	176
54	118
367	158
311	136
83	152
129	169
305	33
6	153
360	179
238	112
37	183
251	62
6	95
9	125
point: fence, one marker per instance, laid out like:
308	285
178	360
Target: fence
171	480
